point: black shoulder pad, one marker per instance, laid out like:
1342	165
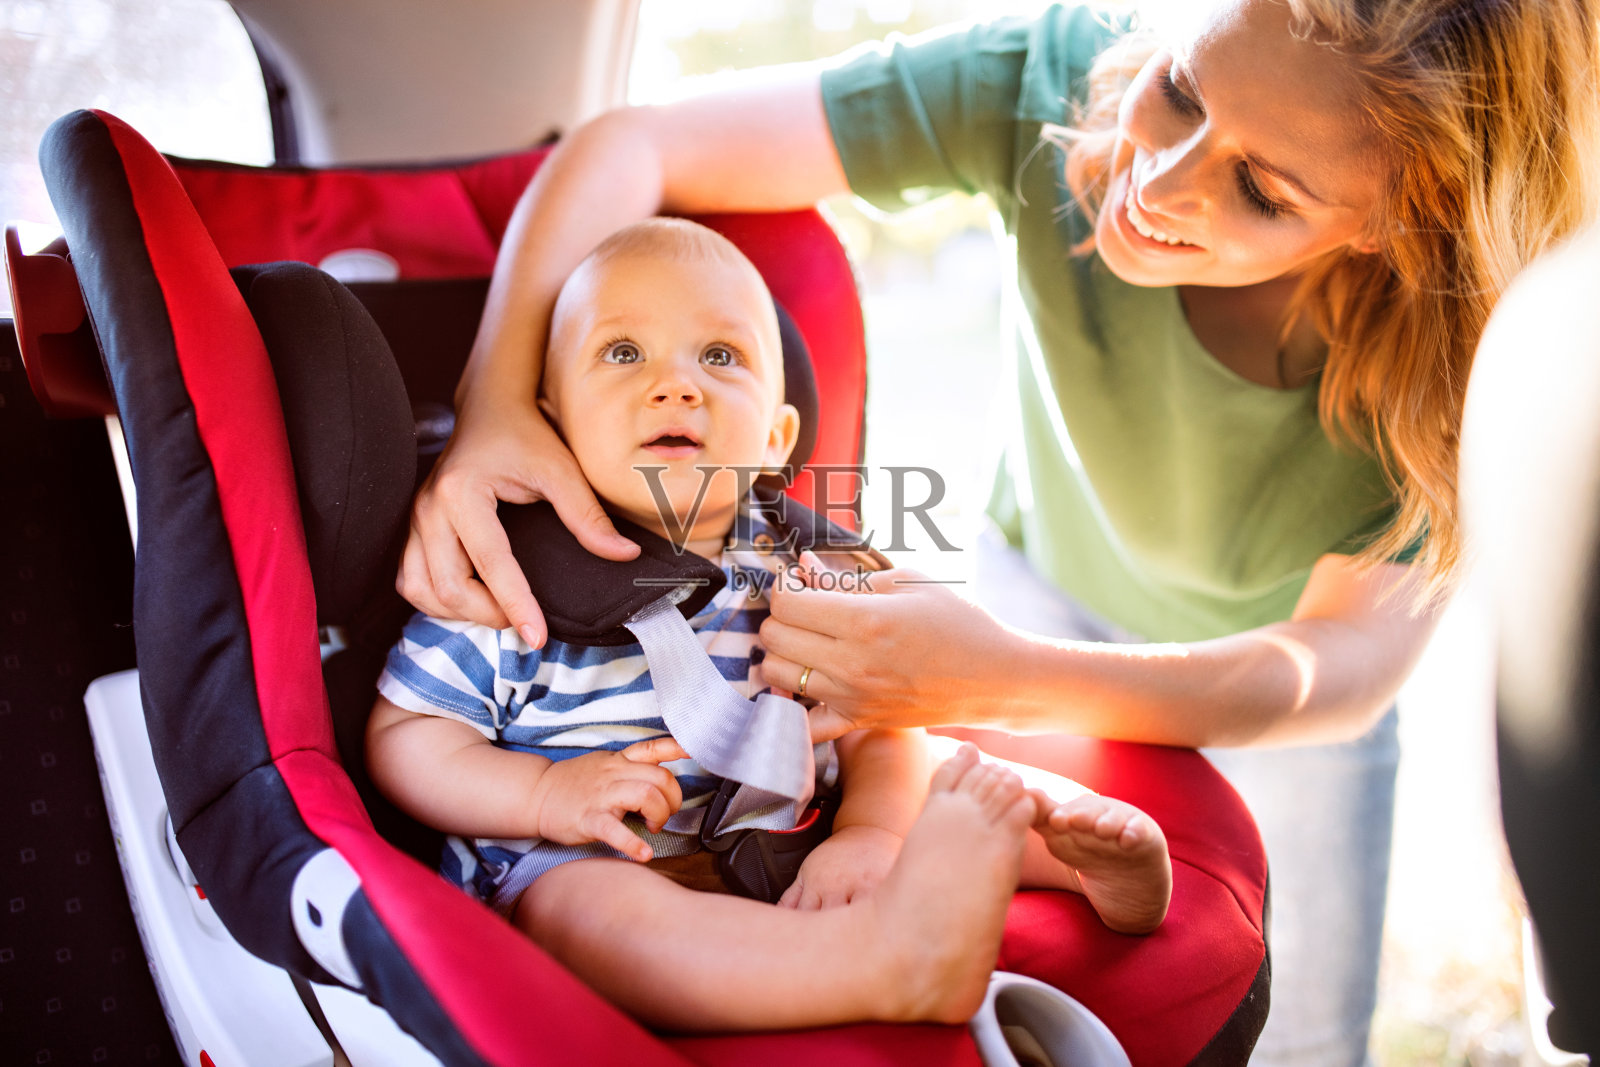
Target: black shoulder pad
586	599
806	529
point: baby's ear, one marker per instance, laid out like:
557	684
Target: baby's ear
785	432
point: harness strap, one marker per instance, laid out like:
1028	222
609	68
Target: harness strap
764	743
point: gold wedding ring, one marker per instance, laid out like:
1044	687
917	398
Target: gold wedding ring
805	676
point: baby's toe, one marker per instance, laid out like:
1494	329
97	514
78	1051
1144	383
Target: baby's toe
950	773
997	789
1080	815
1110	824
1135	832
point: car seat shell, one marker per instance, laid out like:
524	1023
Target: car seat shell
199	402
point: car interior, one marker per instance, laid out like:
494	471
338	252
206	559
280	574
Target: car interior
208	609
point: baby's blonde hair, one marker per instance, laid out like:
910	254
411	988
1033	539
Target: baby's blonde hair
672	238
1491	111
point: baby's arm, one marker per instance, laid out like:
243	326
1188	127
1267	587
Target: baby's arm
448	775
884	774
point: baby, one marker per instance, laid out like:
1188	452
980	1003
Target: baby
664	353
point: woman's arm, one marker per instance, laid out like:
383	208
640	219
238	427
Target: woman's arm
916	654
762	145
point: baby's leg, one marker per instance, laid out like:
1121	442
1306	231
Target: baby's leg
920	947
1106	849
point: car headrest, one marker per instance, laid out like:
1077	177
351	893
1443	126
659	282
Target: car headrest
337	382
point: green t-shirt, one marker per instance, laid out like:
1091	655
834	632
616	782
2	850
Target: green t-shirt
1162	490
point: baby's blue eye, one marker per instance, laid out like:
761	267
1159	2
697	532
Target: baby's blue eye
719	356
622	352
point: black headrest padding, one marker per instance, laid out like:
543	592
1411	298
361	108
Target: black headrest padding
799	389
586	599
430	325
805	528
349	423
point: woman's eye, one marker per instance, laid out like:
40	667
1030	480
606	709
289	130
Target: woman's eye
622	352
1259	201
719	356
1180	103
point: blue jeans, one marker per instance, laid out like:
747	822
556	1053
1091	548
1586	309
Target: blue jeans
1326	814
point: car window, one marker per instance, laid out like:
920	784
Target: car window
182	72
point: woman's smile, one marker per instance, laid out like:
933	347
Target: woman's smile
1146	231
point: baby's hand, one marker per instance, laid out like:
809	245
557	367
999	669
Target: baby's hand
847	865
583	799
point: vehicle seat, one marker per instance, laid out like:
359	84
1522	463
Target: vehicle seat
227	617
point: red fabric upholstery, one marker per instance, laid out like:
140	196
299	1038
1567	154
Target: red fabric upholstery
1163	994
436	222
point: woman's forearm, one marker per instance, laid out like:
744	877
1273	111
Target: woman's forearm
761	145
617	180
1300	682
912	653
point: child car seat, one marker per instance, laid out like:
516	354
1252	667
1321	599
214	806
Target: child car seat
226	621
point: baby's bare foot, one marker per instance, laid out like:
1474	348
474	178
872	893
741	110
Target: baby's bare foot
942	908
1120	856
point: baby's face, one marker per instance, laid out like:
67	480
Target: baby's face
660	362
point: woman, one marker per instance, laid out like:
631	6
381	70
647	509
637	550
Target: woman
1252	263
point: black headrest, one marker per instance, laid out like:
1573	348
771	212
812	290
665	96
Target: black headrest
351	433
799	389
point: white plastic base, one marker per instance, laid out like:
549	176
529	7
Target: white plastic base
366	1033
1025	1022
220	1000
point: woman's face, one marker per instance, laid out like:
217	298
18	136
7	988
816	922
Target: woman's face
1242	155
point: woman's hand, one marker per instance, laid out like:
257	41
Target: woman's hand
457	561
896	651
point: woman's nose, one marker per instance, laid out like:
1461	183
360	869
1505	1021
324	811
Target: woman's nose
1168	150
1164	182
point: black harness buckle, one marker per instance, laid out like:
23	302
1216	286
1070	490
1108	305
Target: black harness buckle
761	864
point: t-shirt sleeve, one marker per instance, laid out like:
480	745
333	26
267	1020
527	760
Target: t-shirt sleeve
1410	553
1358	542
447	668
913	118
